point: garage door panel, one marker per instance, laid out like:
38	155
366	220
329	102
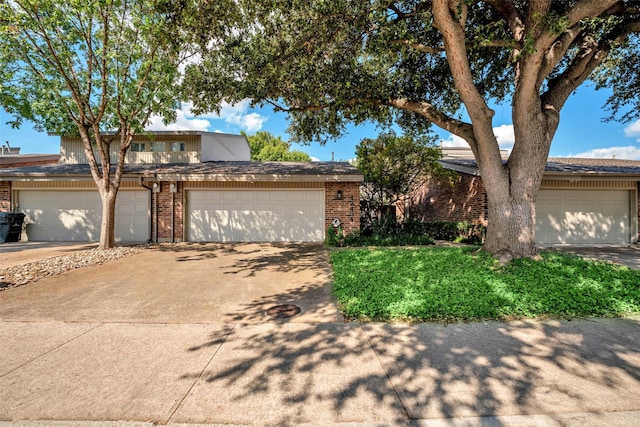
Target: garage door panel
260	215
582	217
76	215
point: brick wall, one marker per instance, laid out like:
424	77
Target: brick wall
438	200
5	196
166	221
347	209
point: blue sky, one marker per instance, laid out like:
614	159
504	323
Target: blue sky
581	133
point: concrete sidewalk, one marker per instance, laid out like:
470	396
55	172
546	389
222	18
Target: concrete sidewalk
552	373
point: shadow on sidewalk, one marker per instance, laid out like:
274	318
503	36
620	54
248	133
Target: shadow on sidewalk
286	373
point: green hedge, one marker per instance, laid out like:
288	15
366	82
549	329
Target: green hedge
389	232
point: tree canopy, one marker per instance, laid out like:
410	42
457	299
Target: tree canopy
419	62
266	147
95	69
393	166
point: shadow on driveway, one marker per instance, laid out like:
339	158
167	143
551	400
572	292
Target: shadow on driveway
184	283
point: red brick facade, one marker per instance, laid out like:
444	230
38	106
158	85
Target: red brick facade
5	196
170	208
342	201
462	200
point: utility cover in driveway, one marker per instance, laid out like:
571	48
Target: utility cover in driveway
255	215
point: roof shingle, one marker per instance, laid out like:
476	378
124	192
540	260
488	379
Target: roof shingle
571	165
272	170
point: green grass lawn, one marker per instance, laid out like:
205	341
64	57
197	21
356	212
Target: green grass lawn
452	284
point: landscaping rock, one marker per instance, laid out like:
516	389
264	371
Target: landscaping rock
31	272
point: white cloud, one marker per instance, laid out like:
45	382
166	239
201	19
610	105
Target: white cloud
633	130
504	134
237	115
629	152
252	122
183	122
454	141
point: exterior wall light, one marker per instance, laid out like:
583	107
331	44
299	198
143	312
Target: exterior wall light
339	195
172	187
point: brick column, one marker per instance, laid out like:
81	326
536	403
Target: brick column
5	196
170	213
346	209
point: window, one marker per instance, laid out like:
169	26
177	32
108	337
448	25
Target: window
177	146
158	146
138	147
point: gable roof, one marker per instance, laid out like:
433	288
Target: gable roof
564	166
206	171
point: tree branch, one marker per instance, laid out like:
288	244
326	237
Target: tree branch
508	11
591	55
481	115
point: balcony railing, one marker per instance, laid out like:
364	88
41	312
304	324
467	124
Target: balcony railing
160	157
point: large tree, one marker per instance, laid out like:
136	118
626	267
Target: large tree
265	147
393	166
96	69
441	62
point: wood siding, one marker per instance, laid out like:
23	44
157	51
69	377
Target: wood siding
72	150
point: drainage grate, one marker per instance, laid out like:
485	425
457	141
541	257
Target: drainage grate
283	311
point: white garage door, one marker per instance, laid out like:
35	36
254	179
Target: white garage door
582	217
255	215
76	215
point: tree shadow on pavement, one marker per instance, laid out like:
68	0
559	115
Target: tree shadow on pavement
251	258
287	373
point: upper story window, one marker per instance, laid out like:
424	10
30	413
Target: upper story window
158	146
138	147
177	146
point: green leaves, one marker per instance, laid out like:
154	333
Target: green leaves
88	63
452	284
393	166
266	147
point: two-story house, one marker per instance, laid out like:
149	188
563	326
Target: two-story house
185	186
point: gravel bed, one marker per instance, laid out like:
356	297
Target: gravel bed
31	272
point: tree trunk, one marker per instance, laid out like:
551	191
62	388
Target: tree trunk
511	229
107	226
513	189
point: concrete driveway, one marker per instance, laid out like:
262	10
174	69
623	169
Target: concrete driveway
182	283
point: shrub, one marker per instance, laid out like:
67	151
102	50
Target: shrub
461	232
386	231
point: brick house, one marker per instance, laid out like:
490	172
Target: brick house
581	201
185	186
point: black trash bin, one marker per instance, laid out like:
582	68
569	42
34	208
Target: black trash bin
10	226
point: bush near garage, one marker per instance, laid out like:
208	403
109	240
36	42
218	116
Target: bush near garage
386	231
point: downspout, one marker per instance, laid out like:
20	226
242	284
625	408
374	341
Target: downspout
173	222
153	220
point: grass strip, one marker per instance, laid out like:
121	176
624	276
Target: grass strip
462	284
